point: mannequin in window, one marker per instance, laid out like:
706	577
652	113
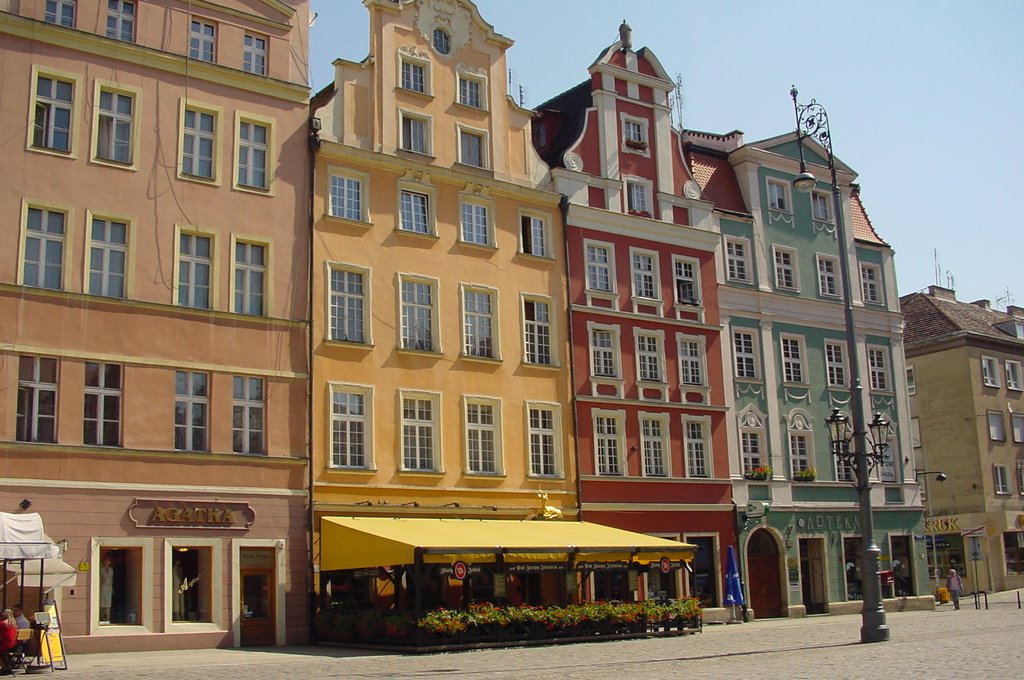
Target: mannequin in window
106	588
178	608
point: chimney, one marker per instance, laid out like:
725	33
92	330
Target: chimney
984	304
1015	312
942	293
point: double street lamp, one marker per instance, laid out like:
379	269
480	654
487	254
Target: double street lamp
849	438
941	477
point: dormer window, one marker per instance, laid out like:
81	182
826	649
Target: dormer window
442	41
634	135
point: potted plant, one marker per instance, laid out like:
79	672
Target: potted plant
805	475
636	144
759	473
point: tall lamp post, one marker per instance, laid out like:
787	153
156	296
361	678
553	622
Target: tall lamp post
849	440
941	477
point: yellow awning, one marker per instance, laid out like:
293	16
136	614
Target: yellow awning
362	542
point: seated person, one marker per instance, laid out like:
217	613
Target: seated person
19	616
8	638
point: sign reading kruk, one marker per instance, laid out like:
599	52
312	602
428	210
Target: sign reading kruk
190	513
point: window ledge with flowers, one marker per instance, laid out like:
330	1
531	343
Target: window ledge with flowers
805	475
485	624
759	473
636	144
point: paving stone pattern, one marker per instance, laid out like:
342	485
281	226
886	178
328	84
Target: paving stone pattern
941	644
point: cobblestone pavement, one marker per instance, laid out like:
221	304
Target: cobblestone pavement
941	644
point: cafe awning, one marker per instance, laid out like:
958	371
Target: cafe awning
362	542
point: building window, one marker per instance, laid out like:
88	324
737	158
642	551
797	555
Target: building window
348	305
191	403
121	20
778	196
191	595
414	76
1017	423
745	354
250	274
636	199
43	266
990	371
51	124
736	261
649	357
201	38
827	285
197	154
419	432
599	268
911	382
792	360
417	315
475	225
870	276
653	446
696	449
633	134
537	332
471	92
108	249
645	276
534	234
835	364
996	427
478	326
541	424
254	54
347	198
879	368
37	400
415	212
821	209
799	452
114	129
1014	379
750	445
194	263
415	134
442	41
121	571
471	149
603	354
60	12
607	431
686	283
350	426
1002	482
482	437
247	415
102	413
785	269
252	154
691	361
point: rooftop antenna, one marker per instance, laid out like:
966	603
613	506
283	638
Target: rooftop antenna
1006	299
950	280
522	95
677	101
938	267
510	82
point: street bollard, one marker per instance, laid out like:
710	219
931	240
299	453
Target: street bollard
985	592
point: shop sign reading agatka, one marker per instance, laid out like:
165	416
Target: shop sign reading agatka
193	514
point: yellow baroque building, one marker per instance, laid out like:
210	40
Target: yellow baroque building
440	350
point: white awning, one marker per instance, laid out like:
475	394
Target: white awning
22	538
56	573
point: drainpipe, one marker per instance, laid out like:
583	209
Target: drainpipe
314	146
563	204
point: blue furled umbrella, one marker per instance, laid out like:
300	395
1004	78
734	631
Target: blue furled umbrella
733	587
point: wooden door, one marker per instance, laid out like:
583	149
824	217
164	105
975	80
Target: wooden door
812	575
259	610
764	575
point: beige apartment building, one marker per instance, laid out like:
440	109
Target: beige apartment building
440	353
153	291
966	385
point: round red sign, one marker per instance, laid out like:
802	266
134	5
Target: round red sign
460	570
666	565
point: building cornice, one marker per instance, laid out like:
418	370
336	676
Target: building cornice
280	7
148	57
633	226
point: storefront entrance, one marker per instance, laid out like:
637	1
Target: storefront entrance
259	619
812	575
764	575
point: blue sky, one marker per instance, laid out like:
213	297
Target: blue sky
924	99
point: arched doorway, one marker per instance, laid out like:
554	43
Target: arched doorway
763	576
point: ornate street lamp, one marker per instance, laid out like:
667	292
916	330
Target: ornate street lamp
941	477
849	438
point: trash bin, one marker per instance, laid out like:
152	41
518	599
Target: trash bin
942	594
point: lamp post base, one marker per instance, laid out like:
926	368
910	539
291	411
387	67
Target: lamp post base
874	633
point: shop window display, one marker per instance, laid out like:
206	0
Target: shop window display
120	579
190	584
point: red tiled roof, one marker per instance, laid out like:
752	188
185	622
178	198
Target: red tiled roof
861	223
927	317
717	180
